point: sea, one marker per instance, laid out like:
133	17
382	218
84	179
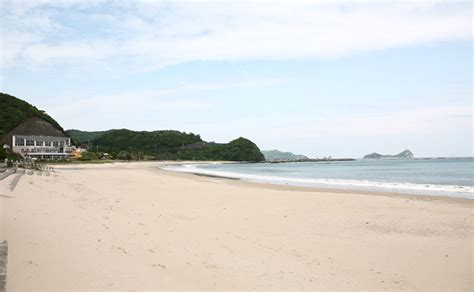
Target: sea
451	177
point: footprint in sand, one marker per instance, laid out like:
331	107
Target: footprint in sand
120	248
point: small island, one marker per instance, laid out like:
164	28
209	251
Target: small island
277	155
406	154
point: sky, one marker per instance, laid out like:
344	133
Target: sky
320	78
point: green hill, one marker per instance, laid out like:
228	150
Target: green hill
240	149
123	139
14	111
83	137
165	145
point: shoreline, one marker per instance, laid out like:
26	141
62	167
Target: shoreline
348	189
326	190
268	185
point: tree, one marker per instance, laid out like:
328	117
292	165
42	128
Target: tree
87	156
124	155
3	153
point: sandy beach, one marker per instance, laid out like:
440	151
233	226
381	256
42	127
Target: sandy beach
131	226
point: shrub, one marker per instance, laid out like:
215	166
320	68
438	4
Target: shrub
124	155
87	156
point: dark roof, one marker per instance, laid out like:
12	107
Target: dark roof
33	127
36	127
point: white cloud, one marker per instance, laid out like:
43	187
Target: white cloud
148	35
134	105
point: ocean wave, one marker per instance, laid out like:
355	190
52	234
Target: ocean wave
346	184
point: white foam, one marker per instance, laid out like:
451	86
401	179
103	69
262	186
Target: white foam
411	188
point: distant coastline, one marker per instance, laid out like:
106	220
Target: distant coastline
310	160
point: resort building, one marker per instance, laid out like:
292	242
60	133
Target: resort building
41	147
36	138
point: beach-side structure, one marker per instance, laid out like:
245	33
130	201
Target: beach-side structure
36	138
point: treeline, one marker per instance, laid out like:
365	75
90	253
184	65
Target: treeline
9	155
116	140
83	137
125	144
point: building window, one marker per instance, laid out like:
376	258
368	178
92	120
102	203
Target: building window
55	143
61	143
30	143
19	142
39	143
47	143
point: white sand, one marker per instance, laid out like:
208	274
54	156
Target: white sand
130	226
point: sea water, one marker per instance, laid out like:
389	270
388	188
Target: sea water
444	177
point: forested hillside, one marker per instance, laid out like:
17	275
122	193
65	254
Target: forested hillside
123	139
83	137
14	111
165	145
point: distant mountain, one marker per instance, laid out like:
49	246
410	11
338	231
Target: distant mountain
407	154
272	155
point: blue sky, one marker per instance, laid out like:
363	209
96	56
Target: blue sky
319	78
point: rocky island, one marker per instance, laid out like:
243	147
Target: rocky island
406	154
